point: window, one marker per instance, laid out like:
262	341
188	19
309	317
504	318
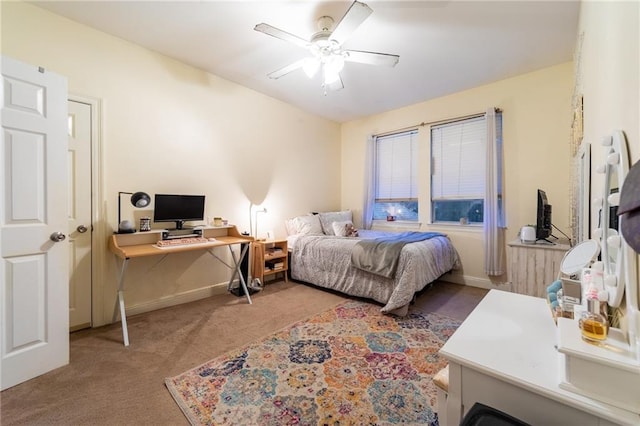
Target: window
458	151
396	176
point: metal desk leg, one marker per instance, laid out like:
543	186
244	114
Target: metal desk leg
235	267
237	271
120	303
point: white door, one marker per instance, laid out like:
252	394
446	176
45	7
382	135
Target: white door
34	289
79	227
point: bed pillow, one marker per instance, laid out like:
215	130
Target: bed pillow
290	226
344	229
307	225
327	219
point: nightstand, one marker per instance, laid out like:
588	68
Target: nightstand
269	258
533	267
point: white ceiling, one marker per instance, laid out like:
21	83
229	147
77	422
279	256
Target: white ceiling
444	46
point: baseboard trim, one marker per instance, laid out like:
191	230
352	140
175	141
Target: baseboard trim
178	299
475	282
221	288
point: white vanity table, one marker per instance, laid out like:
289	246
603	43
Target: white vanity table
504	356
509	354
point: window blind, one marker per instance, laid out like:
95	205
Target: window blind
458	160
396	167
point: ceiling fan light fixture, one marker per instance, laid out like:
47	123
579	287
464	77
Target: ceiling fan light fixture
331	66
334	63
330	76
311	66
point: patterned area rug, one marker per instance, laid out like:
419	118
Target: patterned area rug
348	365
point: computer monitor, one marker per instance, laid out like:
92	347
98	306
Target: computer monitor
178	208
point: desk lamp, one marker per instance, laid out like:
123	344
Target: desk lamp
138	200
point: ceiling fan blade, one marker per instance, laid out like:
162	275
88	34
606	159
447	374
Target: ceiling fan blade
286	70
351	20
282	35
371	58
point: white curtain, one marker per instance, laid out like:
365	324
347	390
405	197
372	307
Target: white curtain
493	204
370	190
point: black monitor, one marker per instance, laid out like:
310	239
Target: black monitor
178	208
543	217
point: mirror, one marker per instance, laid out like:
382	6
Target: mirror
579	257
610	214
614	256
582	216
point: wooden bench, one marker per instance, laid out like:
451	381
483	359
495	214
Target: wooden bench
441	380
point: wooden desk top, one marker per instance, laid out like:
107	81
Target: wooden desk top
141	250
141	244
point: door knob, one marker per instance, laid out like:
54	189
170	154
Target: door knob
81	229
56	237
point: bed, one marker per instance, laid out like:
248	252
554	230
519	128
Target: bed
321	254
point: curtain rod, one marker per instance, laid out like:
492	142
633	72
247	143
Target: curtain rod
431	123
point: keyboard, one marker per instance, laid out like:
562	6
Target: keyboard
180	242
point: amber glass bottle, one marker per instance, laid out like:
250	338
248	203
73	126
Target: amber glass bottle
593	324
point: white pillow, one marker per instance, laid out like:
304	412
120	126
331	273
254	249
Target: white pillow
327	218
290	226
340	228
307	225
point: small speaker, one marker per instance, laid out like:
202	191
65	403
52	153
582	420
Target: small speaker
126	227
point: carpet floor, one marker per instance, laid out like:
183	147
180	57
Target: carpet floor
348	365
108	384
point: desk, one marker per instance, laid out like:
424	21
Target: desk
503	355
141	244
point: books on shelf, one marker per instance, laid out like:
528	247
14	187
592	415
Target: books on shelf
274	266
273	251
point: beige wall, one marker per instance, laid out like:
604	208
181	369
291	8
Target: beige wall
609	72
609	80
241	146
536	125
171	128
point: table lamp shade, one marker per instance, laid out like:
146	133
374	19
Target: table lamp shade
140	199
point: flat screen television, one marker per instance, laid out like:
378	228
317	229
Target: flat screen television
178	208
543	217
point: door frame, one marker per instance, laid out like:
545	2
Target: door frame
98	249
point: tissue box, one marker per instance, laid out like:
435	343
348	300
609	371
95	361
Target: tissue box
571	296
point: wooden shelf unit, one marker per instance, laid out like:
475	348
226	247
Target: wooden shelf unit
533	267
265	255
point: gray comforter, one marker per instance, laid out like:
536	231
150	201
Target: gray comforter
380	255
326	262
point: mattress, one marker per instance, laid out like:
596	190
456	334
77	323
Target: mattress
325	261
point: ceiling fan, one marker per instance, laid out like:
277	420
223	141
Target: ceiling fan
325	46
